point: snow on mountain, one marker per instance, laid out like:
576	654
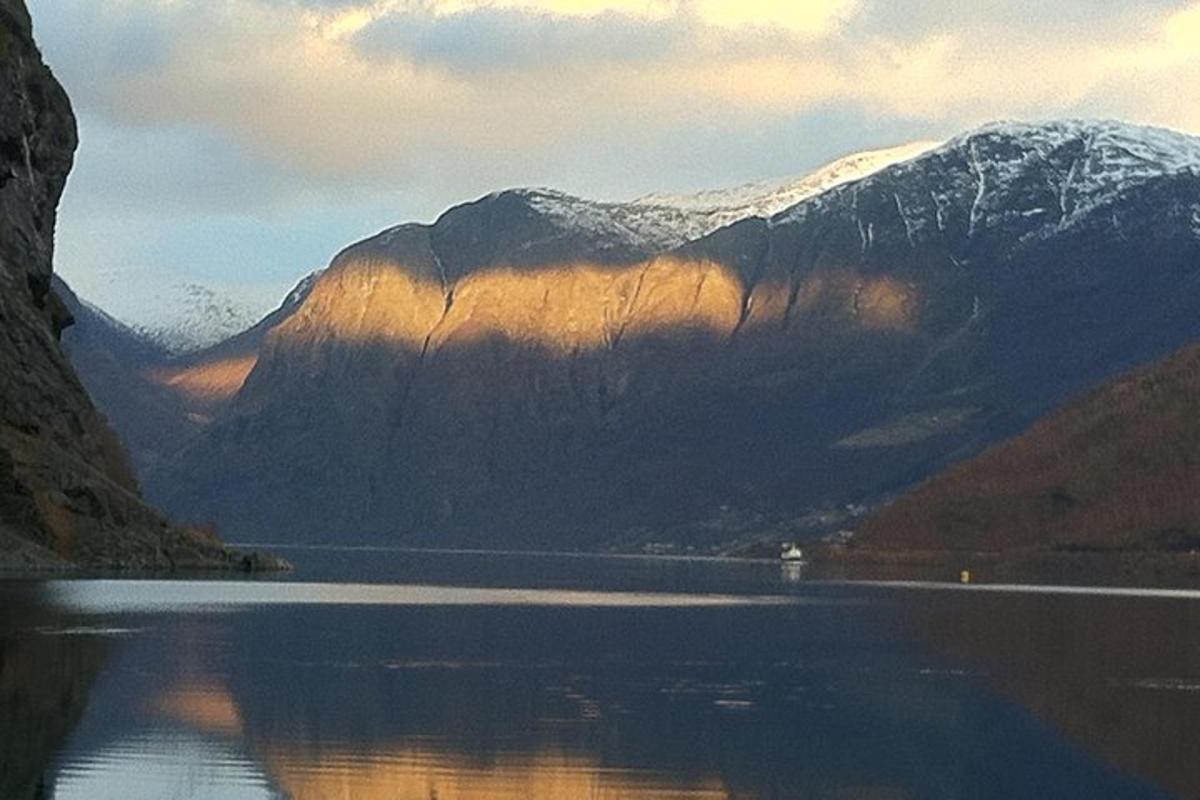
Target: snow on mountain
190	316
664	221
1106	158
720	207
1043	177
652	227
300	291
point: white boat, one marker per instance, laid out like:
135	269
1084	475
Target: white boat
792	554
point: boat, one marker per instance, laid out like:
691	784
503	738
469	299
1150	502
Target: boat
792	554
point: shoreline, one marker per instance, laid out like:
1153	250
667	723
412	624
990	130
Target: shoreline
1117	568
825	562
29	562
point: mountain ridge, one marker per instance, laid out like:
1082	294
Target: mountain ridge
508	370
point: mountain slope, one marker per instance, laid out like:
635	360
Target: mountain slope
66	492
158	403
532	371
118	367
187	317
717	208
157	400
1115	470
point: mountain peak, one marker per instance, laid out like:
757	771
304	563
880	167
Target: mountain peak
766	198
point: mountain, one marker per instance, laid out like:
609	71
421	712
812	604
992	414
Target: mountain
204	380
155	398
190	316
720	207
66	491
1113	471
159	390
120	368
537	370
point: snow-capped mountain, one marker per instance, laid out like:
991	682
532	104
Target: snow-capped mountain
657	222
190	316
528	365
720	207
1022	180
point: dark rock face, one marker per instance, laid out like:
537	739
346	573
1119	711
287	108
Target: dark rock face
65	486
524	373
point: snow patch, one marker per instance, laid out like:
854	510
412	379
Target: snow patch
190	316
1005	171
1112	157
665	221
720	207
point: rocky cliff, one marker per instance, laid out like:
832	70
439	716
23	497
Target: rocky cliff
533	369
66	491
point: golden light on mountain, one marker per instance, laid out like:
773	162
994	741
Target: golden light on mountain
367	301
419	770
565	308
589	307
208	382
885	303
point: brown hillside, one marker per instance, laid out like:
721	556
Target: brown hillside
1118	469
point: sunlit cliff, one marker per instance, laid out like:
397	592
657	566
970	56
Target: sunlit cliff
534	369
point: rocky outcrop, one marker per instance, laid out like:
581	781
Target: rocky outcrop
67	493
532	371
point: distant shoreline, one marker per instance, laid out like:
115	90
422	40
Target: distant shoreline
1125	568
825	563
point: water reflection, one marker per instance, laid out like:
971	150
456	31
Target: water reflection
47	665
1118	675
815	692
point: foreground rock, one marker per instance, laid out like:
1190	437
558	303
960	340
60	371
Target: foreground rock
67	493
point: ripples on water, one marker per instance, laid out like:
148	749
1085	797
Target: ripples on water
529	677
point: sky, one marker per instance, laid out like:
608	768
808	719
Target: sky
239	144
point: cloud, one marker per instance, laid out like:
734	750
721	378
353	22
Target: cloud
807	18
446	98
241	111
496	40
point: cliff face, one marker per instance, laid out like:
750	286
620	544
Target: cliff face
528	371
66	491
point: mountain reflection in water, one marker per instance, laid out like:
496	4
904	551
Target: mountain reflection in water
729	683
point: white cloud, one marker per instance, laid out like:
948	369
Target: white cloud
804	17
211	127
460	92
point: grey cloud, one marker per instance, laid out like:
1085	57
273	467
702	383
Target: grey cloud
492	38
171	170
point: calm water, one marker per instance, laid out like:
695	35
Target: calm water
373	674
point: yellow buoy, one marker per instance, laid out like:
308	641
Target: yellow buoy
965	576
